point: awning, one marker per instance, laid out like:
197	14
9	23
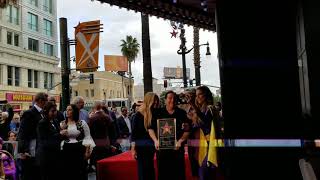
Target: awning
198	13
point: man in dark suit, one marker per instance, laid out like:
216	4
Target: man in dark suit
27	138
124	125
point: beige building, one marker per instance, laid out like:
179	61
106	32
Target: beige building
28	51
139	90
107	85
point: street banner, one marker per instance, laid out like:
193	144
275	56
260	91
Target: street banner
87	46
115	63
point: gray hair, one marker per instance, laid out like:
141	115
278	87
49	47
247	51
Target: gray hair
98	104
5	115
77	99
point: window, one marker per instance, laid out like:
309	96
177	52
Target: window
45	80
13	14
16	39
47	27
33	21
47	6
17	76
33	45
92	92
9	38
76	93
51	82
29	78
10	77
34	2
48	49
12	38
35	79
87	93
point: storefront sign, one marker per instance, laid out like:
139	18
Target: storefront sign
13	97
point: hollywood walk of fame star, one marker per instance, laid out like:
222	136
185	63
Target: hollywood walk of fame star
166	129
174	33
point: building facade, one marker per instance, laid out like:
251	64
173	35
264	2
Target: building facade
105	86
28	51
139	90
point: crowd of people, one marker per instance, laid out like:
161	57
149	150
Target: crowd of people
53	144
198	121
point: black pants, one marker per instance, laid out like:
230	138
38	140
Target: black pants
30	169
171	165
50	165
74	162
98	153
145	156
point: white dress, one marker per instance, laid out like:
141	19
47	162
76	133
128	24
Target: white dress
73	133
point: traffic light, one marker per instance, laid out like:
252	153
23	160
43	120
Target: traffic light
165	83
91	78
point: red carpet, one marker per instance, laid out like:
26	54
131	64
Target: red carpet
123	167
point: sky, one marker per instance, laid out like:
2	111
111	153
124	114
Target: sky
119	22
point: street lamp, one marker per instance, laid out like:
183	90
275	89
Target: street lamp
183	51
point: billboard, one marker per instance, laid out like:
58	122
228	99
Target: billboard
115	63
175	73
87	45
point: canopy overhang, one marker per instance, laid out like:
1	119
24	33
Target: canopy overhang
198	13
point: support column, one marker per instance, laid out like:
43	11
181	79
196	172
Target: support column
260	85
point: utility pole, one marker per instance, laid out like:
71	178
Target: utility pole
65	71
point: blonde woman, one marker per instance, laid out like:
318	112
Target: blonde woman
142	145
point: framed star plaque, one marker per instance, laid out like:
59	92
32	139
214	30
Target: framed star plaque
167	133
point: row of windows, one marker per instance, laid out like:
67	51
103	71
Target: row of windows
112	93
47	4
33	45
76	93
33	78
33	24
13	38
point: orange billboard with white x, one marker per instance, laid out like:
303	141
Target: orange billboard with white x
87	45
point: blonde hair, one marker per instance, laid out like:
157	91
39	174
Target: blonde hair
145	108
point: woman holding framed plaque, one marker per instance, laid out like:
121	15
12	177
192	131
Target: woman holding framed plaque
169	131
142	146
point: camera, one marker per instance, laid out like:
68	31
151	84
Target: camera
182	99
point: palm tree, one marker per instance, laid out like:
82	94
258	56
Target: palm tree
130	49
196	55
146	51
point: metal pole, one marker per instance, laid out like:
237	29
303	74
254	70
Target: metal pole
184	69
64	63
183	53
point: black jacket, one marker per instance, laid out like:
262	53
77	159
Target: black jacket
48	136
123	128
28	129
